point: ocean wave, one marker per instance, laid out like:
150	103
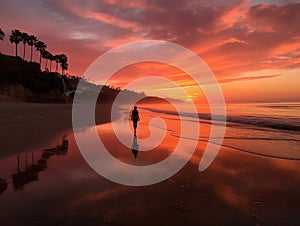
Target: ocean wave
289	124
282	155
282	106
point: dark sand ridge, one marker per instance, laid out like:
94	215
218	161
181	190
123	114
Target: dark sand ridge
29	126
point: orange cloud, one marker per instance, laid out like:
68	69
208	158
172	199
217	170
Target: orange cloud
106	18
234	38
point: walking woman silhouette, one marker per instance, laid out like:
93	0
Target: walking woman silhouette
135	118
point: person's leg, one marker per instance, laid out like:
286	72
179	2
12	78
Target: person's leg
134	126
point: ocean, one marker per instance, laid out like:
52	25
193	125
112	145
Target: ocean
268	129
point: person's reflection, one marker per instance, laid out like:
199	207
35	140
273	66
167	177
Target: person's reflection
135	147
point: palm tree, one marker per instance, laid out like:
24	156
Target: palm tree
15	37
40	46
64	66
25	38
56	61
2	34
31	40
46	56
51	58
63	59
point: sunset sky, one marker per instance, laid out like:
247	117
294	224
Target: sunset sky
252	47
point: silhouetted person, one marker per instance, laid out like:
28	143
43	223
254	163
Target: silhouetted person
135	147
135	118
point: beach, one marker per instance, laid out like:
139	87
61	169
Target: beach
32	126
238	188
150	113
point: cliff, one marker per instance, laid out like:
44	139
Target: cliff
23	81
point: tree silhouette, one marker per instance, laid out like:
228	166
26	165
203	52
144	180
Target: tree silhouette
2	34
40	46
64	67
56	61
46	55
16	37
51	58
25	38
63	60
31	40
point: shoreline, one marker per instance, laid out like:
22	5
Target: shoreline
31	126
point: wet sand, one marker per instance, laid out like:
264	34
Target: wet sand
28	126
237	189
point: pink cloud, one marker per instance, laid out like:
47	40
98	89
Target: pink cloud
231	36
